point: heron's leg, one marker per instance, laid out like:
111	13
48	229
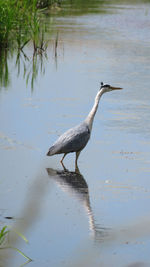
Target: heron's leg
62	162
66	170
63	158
77	155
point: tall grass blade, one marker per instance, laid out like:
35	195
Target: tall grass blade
18	250
21	235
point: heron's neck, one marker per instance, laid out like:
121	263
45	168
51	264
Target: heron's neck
89	119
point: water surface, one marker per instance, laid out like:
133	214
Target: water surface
100	216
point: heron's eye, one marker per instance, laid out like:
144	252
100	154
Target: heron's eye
106	85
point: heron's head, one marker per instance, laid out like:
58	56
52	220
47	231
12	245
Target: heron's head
108	88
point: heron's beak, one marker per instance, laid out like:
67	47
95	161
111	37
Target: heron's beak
116	88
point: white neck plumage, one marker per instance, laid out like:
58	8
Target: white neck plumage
89	119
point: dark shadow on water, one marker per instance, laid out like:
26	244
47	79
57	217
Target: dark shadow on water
76	185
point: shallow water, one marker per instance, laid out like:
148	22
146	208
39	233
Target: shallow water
99	217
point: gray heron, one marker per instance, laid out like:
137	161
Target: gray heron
76	138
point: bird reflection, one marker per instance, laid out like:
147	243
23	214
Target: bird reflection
76	185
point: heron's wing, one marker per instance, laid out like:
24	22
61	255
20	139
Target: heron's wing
73	140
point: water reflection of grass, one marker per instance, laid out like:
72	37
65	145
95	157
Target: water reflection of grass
4	72
31	65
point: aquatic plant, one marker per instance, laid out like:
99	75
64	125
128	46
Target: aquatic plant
15	22
20	23
3	235
4	241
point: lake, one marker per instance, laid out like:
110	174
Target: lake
100	216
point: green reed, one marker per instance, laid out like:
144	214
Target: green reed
3	235
4	244
20	22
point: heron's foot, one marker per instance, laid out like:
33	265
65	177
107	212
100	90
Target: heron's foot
76	164
66	170
77	169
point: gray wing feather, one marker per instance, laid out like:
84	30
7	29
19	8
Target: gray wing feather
72	140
